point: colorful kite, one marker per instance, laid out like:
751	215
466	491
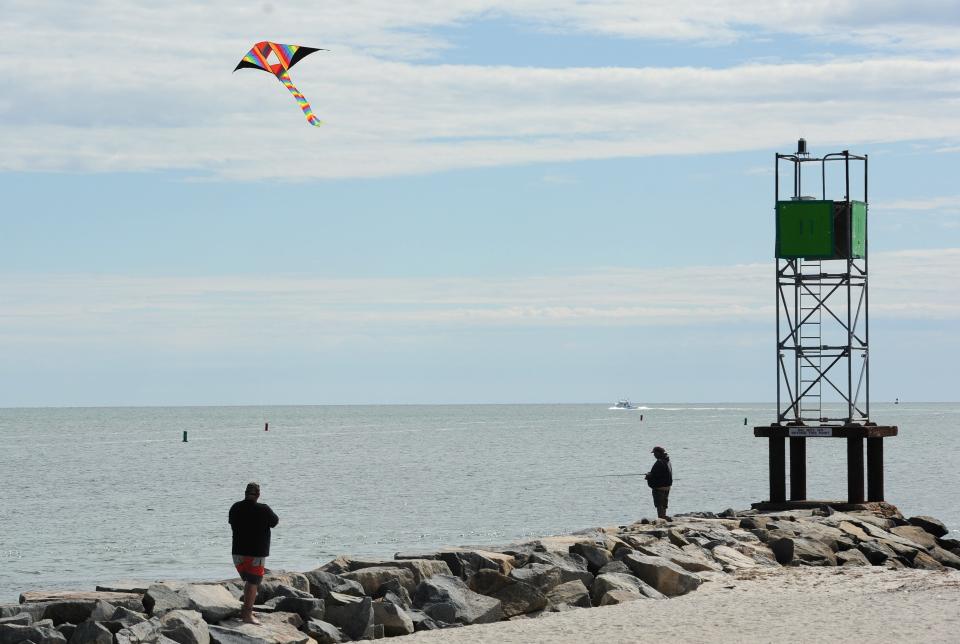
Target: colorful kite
278	59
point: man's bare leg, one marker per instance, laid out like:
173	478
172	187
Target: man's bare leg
249	597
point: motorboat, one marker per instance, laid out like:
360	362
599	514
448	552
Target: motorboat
624	404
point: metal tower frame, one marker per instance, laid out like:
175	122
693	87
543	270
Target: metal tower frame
823	321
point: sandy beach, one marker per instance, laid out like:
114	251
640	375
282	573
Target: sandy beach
862	604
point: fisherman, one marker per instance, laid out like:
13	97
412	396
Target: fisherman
251	522
660	478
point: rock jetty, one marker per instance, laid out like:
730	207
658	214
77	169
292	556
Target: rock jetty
351	599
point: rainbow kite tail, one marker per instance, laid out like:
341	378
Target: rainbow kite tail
304	105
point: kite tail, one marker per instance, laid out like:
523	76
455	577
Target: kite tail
304	105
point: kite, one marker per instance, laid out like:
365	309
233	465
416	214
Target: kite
263	55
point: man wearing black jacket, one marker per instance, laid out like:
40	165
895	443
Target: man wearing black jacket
660	478
251	523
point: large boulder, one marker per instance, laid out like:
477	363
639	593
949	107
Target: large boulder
146	632
691	559
811	552
421	568
465	563
608	582
214	602
162	598
931	525
277	628
76	607
373	577
614	597
185	627
945	557
544	577
296	580
394	619
852	557
572	594
731	559
924	561
665	576
915	534
36	633
448	599
516	597
853	530
306	607
322	632
122	618
91	633
595	556
353	615
571	566
321	583
274	590
876	553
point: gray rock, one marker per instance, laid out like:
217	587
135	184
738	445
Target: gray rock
322	583
138	587
782	549
448	599
374	632
277	628
74	607
351	614
123	618
617	581
692	559
421	568
732	559
9	610
322	632
924	561
665	576
676	538
102	611
931	525
20	619
371	578
544	577
393	618
516	597
163	598
297	580
571	566
465	563
306	607
143	633
421	622
595	556
15	633
91	633
274	589
915	534
185	627
616	566
394	592
812	552
945	557
214	602
876	553
852	557
570	594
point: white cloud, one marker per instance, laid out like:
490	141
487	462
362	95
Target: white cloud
211	312
125	86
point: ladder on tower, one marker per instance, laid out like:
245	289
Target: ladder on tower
810	346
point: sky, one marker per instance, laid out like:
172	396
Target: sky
508	202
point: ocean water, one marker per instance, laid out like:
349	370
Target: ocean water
92	495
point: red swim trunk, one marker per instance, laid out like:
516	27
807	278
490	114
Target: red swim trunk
250	568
